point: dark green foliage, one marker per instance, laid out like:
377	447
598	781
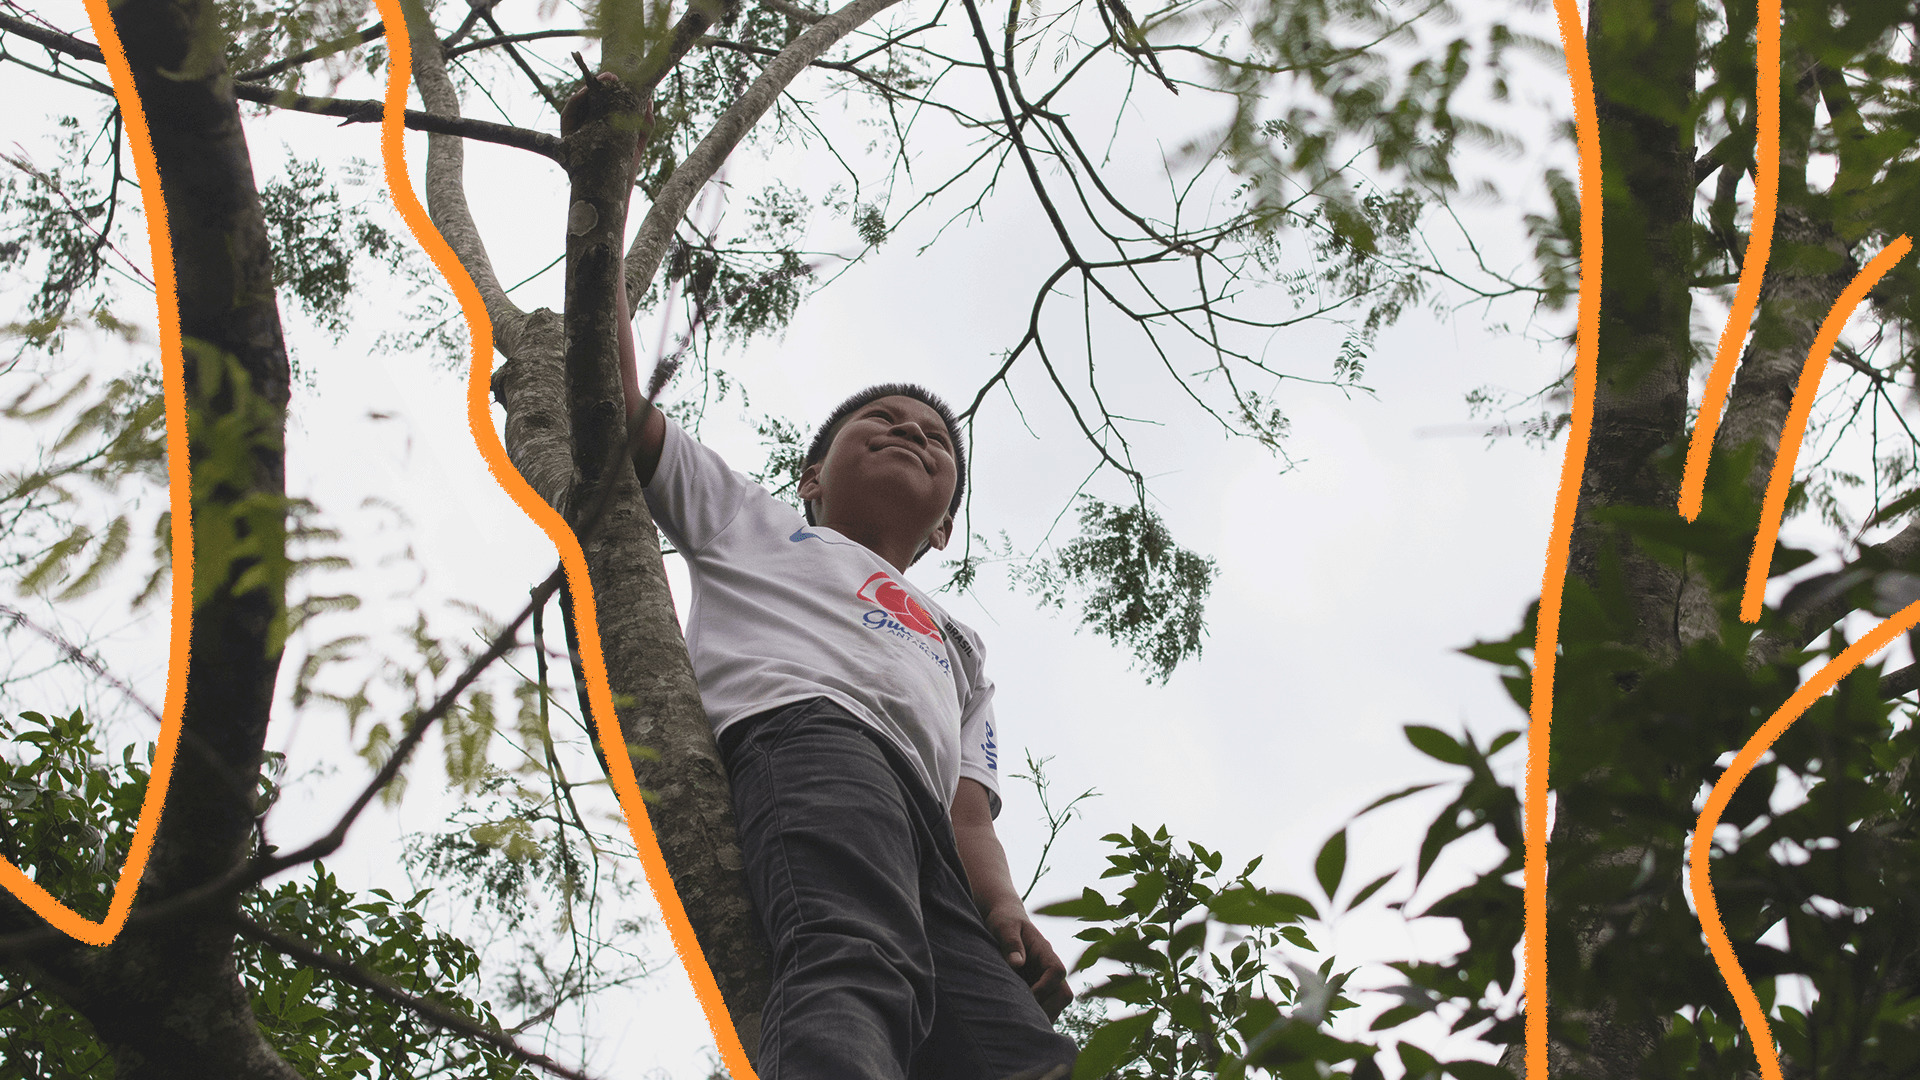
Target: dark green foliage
68	821
1826	850
1137	586
1209	981
326	1028
69	818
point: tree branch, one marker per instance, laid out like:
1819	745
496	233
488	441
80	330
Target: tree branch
512	39
1810	617
446	181
352	110
52	39
805	16
359	111
676	195
1900	683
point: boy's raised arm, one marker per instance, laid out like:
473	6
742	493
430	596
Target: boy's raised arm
652	423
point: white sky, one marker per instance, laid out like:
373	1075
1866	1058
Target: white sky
1345	585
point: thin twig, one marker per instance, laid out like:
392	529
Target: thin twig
318	52
79	656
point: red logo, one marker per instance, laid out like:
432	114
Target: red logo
888	594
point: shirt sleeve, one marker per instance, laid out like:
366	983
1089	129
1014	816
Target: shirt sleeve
693	495
979	741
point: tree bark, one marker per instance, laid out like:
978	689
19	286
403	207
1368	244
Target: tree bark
1808	270
165	999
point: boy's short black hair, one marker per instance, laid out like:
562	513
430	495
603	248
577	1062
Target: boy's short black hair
824	437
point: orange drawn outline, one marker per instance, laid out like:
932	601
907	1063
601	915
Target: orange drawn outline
626	785
1553	584
1774	507
180	501
1699	853
1746	297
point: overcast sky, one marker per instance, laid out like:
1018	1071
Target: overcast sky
1345	587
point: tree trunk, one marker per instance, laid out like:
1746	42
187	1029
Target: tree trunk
1643	55
164	998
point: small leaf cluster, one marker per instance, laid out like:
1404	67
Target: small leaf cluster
1210	1001
1137	587
61	228
317	242
114	441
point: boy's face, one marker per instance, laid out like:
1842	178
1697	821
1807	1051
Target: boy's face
889	469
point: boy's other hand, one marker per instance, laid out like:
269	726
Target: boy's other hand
1028	950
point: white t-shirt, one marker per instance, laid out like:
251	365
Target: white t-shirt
783	611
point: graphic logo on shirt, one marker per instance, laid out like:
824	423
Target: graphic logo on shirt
888	594
991	749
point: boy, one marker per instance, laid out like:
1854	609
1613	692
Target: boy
857	730
858	735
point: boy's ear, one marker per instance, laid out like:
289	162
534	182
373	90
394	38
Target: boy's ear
809	486
941	534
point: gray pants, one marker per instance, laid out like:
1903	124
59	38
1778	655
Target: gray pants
883	969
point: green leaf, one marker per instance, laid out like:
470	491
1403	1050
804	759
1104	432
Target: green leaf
1371	887
1145	892
1331	864
1187	939
1385	800
1249	905
1398	1015
1299	937
1419	1064
1188	1012
1436	744
1132	988
1109	1045
1091	907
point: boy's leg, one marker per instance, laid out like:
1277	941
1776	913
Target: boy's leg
986	1023
833	867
